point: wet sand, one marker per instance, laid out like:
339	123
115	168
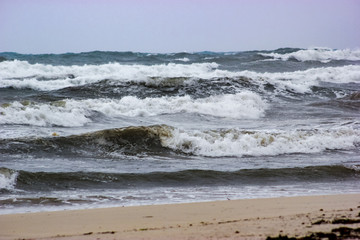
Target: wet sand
231	219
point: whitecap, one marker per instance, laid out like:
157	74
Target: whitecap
185	59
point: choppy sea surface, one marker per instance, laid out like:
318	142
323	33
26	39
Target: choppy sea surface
99	129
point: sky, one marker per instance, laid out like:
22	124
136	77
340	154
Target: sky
158	26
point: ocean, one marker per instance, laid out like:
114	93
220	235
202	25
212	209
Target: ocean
101	129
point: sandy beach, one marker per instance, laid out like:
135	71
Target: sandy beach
231	219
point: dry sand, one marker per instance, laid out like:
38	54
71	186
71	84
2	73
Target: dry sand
232	219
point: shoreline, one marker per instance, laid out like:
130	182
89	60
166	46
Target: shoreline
232	219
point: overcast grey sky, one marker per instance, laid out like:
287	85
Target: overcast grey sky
58	26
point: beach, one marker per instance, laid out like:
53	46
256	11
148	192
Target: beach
230	219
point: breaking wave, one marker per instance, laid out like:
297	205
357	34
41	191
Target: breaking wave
323	55
45	181
212	143
20	74
71	113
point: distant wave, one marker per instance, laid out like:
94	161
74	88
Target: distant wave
317	54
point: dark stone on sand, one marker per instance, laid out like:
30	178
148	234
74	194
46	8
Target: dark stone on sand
108	232
321	221
280	237
336	233
345	221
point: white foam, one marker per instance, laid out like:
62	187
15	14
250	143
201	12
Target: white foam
71	113
185	59
317	54
235	142
7	179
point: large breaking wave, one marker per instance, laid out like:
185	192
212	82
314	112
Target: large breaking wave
21	74
212	143
72	113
